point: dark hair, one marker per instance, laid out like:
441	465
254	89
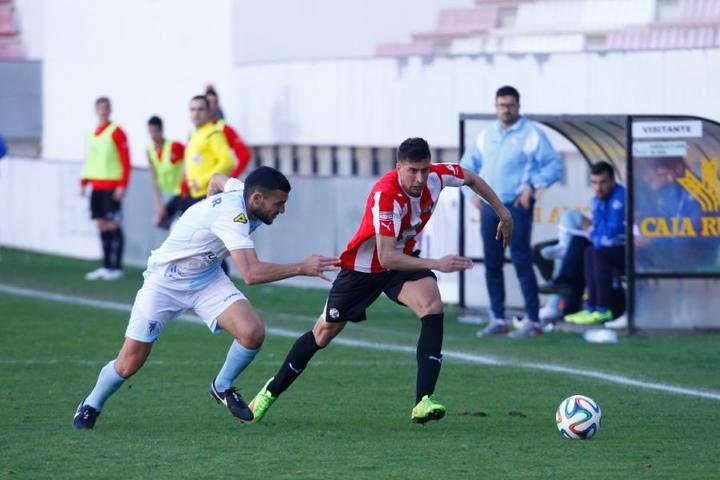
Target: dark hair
210	90
602	167
102	100
506	91
157	121
413	149
201	98
264	180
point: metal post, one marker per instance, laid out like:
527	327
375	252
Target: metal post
461	225
630	221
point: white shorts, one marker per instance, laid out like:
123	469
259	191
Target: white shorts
155	305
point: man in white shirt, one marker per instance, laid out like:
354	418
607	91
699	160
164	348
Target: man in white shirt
184	273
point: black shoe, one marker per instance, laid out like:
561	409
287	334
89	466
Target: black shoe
556	287
233	401
85	416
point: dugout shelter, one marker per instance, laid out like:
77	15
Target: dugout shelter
670	166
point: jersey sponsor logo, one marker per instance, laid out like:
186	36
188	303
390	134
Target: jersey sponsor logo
197	159
240	218
216	201
385	215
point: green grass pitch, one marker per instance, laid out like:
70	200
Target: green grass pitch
348	415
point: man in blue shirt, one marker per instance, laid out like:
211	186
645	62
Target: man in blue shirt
606	255
516	159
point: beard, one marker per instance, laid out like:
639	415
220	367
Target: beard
263	217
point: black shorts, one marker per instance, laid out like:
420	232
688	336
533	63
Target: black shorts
353	292
174	207
104	206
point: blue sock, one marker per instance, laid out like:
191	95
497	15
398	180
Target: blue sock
601	309
238	357
107	383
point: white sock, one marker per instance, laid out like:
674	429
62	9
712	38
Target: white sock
107	383
238	357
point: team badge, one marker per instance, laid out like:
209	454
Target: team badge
240	218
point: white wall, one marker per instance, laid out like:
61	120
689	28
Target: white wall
148	56
381	101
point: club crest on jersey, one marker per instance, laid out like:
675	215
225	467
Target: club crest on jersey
152	328
240	218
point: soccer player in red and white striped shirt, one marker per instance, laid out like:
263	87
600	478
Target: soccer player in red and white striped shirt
380	259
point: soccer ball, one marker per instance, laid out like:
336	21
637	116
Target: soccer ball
578	417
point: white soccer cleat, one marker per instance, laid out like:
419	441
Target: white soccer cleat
97	274
113	274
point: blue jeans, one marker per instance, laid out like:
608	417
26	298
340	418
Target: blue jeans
520	253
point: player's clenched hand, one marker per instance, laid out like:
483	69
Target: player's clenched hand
505	229
316	265
453	263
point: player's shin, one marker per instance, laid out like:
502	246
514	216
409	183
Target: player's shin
238	357
108	382
295	362
429	358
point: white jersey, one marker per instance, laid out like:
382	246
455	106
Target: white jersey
202	237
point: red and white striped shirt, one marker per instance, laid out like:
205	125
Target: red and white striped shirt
391	212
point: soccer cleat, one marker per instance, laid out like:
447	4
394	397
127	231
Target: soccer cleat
97	274
113	274
85	416
233	401
496	327
578	317
427	409
528	329
596	317
262	402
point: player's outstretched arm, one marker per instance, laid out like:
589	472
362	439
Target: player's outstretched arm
254	271
217	184
394	259
478	185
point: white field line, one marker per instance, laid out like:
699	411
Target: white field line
465	357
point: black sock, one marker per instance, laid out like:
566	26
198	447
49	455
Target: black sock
105	241
117	245
295	362
429	358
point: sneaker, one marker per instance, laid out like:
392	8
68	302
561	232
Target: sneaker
114	274
427	409
549	312
578	317
529	329
97	274
596	317
262	402
619	323
233	401
496	327
85	416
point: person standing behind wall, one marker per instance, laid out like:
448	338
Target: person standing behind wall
516	159
107	171
238	147
165	159
206	153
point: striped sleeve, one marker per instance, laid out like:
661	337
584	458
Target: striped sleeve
451	174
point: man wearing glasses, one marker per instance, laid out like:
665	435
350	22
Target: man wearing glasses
516	159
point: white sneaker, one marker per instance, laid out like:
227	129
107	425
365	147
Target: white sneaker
113	274
618	324
97	274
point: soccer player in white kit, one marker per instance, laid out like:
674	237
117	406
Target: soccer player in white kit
184	273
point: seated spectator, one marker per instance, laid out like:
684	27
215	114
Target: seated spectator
606	254
565	256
